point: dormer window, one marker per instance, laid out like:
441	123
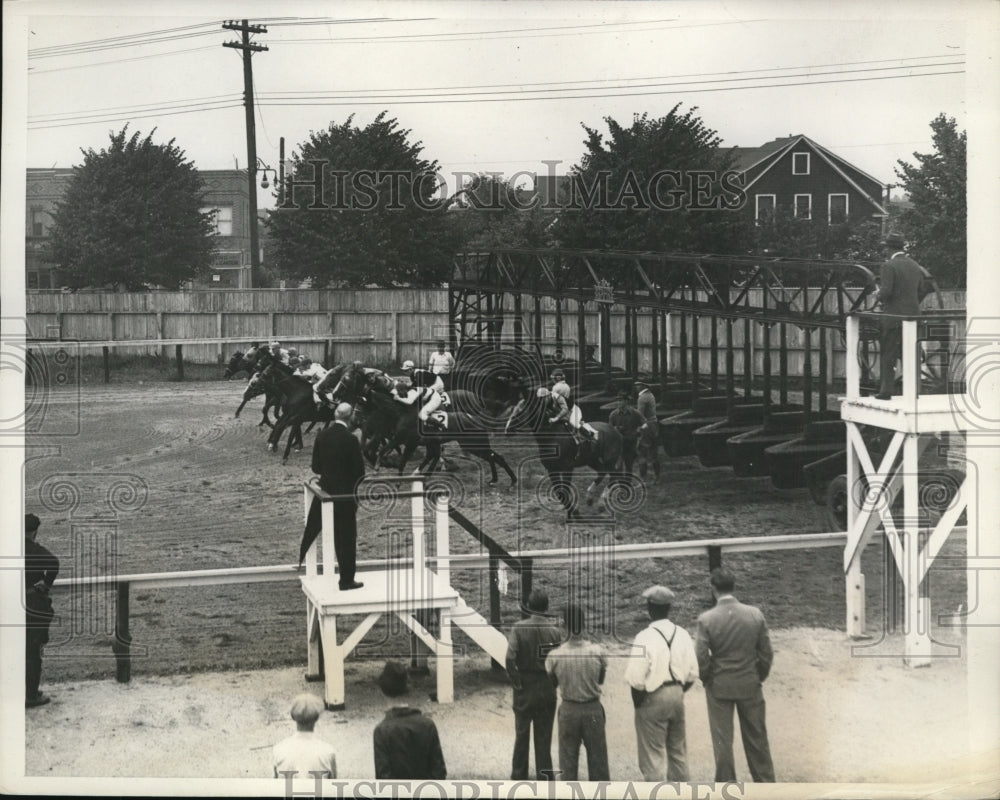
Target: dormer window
800	163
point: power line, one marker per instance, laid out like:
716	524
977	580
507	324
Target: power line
532	94
555	86
522	98
33	71
101	48
179	103
130	117
144	34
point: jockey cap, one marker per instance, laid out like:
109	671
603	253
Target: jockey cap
408	365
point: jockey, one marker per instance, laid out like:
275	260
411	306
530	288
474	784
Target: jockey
569	412
278	351
313	373
423	377
429	398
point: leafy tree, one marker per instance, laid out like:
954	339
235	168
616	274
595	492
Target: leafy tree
360	209
935	224
798	238
654	185
132	217
490	212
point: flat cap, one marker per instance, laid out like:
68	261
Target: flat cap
31	522
894	240
659	595
306	708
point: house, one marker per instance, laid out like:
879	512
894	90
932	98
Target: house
795	175
225	197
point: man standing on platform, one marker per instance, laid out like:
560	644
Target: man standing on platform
734	657
534	700
649	439
338	461
901	288
661	668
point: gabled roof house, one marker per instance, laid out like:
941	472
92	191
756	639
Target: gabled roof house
797	176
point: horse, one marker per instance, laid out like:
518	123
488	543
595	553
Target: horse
257	386
241	362
463	428
559	452
299	404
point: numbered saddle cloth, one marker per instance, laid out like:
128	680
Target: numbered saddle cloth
440	417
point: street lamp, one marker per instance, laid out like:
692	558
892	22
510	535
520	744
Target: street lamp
262	167
258	166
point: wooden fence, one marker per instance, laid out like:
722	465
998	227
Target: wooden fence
391	325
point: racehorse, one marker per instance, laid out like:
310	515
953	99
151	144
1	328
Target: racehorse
260	386
463	428
298	403
559	453
242	362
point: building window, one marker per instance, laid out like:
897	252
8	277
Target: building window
800	163
838	209
803	206
764	207
37	222
222	219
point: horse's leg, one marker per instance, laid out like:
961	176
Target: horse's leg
238	410
593	487
499	459
431	458
408	449
296	431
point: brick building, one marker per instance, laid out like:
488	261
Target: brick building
225	194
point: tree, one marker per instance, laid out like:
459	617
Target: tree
361	208
814	238
658	184
935	224
132	217
490	212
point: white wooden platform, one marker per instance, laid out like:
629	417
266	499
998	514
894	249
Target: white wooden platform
932	413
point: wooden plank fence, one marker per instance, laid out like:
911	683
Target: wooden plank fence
391	325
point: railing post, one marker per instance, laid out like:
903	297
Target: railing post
123	639
106	352
179	355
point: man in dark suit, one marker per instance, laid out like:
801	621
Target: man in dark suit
40	571
734	658
338	461
902	286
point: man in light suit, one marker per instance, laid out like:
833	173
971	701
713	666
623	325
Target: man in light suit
902	286
338	461
734	658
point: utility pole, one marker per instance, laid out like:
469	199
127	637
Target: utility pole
248	49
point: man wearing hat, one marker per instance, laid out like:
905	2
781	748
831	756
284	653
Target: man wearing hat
649	440
407	745
627	421
662	666
304	754
902	286
534	700
441	363
40	571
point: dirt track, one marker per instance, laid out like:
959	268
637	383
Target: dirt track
201	492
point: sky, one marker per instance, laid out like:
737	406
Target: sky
497	86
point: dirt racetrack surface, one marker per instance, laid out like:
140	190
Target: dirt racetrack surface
196	489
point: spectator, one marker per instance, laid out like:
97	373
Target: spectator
902	287
649	439
734	657
578	667
442	362
407	746
661	668
40	571
303	754
534	699
627	421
